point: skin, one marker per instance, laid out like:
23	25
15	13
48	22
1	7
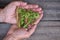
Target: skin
14	32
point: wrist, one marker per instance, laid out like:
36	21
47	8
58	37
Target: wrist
2	16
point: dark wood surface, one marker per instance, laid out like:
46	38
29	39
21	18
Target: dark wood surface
49	27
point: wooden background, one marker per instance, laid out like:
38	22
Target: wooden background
48	28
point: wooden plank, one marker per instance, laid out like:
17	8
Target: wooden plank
49	24
52	5
46	33
48	0
3	30
46	5
42	0
51	15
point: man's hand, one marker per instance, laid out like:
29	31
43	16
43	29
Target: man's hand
17	34
9	11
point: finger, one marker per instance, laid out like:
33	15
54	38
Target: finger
31	31
12	29
30	6
37	9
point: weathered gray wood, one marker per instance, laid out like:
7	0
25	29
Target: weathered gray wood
42	0
51	15
52	5
3	30
48	5
49	24
46	33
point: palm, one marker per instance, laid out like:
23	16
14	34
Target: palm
10	12
20	33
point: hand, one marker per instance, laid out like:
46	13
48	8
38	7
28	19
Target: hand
18	34
9	12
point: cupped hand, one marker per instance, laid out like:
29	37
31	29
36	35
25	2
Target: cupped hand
9	11
21	33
